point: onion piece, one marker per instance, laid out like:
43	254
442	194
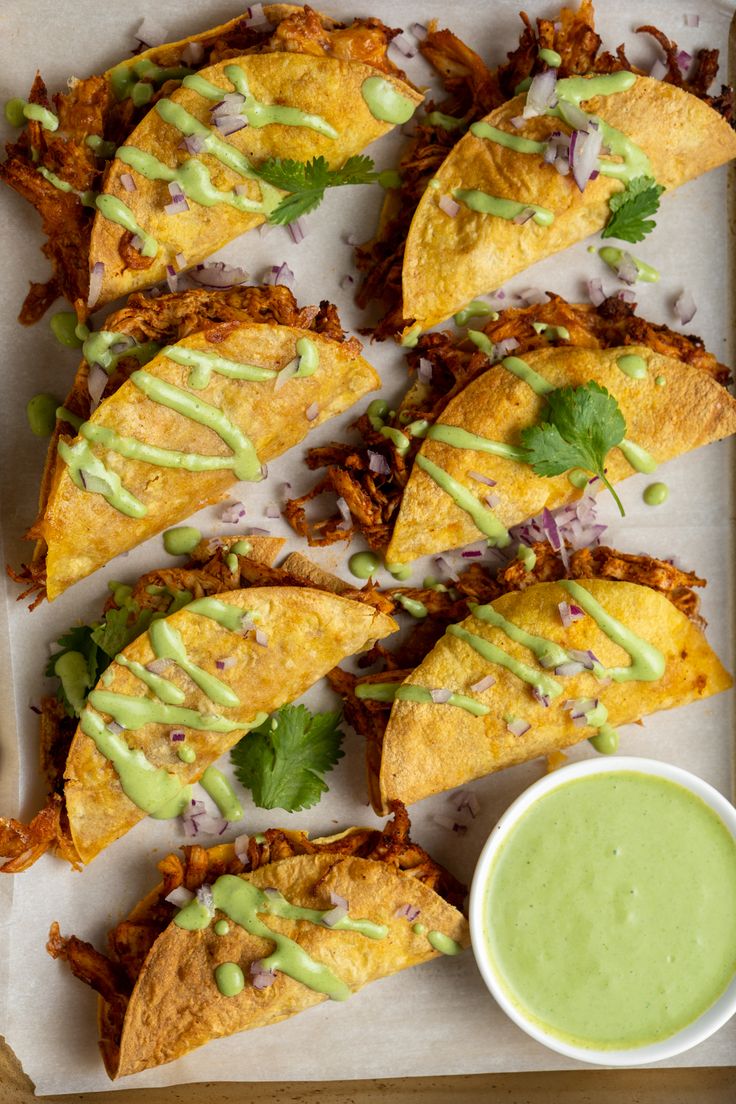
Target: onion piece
233	513
595	291
543	699
128	182
261	978
683	61
95	283
194	144
587	658
450	824
281	274
450	206
685	307
217	274
335	915
261	638
440	697
192	53
226	663
658	70
177	206
347	281
542	94
407	912
286	373
568	670
150	33
230	124
96	383
176	735
518	727
404	45
115	728
585	148
378	463
181	260
180	896
347	520
296	229
465	799
569	613
272	511
480	478
240	846
424	371
311	412
257	20
503	348
158	666
626	269
482	684
691	20
419	31
172	279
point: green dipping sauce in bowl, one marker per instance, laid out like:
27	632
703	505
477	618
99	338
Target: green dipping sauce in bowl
603	911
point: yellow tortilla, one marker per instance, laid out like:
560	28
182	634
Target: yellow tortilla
176	1005
324	86
428	748
83	531
498	405
448	261
308	632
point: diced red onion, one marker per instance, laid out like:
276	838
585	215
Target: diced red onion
150	33
128	182
492	500
194	144
443	564
175	189
407	912
311	412
658	70
296	229
198	821
550	153
180	896
465	800
480	478
447	204
503	348
177	206
344	509
471	553
691	20
115	728
418	30
684	61
347	281
181	260
378	463
254	531
261	978
518	121
192	53
626	269
176	735
219	275
261	638
335	915
240	846
568	670
542	94
523	216
595	291
404	45
585	148
233	513
96	383
569	613
230	124
450	824
272	511
226	663
280	274
562	166
171	278
424	371
158	666
483	684
586	657
95	283
257	20
247	625
626	295
205	897
136	242
518	727
542	698
685	307
534	296
440	697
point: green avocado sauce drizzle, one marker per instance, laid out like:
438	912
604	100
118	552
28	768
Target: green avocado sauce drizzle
647	662
203	364
546	651
258	114
18	112
192	176
385	102
243	904
229	616
613	257
633	366
214	782
126	78
114	210
483	518
167	643
395	691
542	683
509	209
97	348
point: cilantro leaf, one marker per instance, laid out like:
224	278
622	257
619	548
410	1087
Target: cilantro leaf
630	210
282	761
306	181
79	640
583	424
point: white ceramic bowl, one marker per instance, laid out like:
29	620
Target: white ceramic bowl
701	1028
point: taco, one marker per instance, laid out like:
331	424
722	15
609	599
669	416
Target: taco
133	171
278	924
475	91
198	389
535	660
400	509
181	666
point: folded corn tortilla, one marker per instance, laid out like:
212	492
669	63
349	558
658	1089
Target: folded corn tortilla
498	405
450	260
432	747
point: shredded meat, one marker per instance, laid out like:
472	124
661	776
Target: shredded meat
478	583
90	107
114	975
165	320
473	91
374	498
24	844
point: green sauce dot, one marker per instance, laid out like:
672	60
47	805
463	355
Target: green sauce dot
605	742
222	927
187	754
656	493
64	328
41	414
399	571
364	564
14	112
229	978
660	381
182	540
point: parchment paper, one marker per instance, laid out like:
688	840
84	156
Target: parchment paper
439	1018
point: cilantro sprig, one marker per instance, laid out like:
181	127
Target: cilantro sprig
307	181
283	760
581	425
631	208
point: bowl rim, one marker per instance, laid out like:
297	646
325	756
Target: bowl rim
700	1029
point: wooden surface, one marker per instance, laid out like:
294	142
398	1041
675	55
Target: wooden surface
683	1086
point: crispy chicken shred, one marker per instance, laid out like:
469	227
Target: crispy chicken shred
89	107
374	498
473	90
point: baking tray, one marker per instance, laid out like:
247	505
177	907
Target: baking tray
694	527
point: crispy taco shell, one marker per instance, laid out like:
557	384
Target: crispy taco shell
307	633
431	747
498	405
448	260
81	531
